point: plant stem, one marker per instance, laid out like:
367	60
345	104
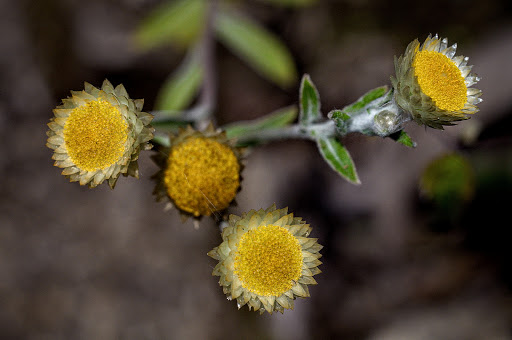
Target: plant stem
296	131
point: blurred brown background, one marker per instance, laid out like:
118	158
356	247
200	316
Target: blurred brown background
100	264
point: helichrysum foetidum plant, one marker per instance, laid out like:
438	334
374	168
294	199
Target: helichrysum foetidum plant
199	173
266	259
433	85
97	134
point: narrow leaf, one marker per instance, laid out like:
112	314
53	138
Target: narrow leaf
161	140
258	47
309	102
366	99
174	22
338	158
403	138
273	120
181	87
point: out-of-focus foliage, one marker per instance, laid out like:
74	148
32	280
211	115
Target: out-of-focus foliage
178	23
258	47
448	180
180	88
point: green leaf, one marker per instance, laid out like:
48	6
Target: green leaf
291	3
174	22
276	119
161	140
181	87
366	99
448	180
403	138
258	47
309	102
338	158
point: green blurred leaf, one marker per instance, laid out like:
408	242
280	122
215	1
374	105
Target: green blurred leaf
448	180
174	22
161	140
165	123
291	3
403	138
181	87
338	158
309	102
258	47
366	99
276	119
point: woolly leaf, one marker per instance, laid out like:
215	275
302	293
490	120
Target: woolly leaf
338	158
309	102
366	99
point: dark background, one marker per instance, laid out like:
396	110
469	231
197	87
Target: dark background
98	264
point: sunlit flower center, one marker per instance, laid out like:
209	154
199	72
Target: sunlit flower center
95	135
441	80
202	176
268	260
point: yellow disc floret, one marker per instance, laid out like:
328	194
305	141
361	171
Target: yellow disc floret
202	176
95	135
268	260
441	80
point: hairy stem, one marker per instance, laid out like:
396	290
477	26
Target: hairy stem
295	131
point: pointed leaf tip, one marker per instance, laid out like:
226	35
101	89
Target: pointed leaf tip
403	138
309	102
338	158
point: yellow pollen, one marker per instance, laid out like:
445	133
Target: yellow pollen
202	176
268	260
441	80
95	135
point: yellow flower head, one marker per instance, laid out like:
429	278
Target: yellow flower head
97	134
199	173
433	85
266	259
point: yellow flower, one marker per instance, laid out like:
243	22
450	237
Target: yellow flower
199	173
97	134
266	259
433	85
